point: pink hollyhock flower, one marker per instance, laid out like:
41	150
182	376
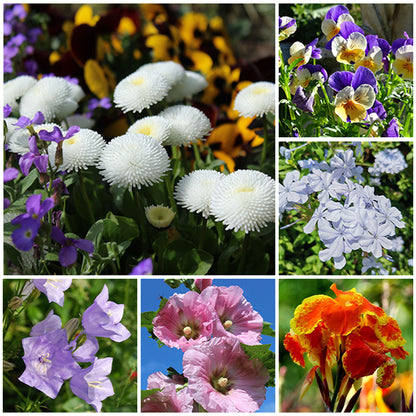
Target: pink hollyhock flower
221	378
236	317
169	399
184	321
202	284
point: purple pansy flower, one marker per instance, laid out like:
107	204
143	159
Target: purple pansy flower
56	134
304	100
349	45
356	93
287	26
392	129
398	43
33	156
335	16
102	319
144	267
305	74
299	50
91	384
68	252
53	288
48	362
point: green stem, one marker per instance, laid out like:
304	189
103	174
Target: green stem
169	188
243	254
185	160
266	139
330	109
141	218
203	232
285	85
85	196
197	155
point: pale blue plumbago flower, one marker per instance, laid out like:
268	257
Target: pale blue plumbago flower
327	190
48	362
375	239
317	217
337	211
343	164
91	384
102	319
370	262
389	215
53	288
293	189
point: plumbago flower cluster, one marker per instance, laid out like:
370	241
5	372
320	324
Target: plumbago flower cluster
225	368
372	95
54	353
76	202
349	216
348	333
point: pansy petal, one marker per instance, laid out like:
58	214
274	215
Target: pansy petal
365	96
340	79
348	28
345	95
364	76
357	41
335	12
330	28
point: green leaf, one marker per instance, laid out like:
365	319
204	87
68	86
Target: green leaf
147	319
263	354
27	182
119	229
196	262
95	233
147	393
267	329
174	251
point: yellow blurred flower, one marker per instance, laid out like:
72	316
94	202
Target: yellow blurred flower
85	15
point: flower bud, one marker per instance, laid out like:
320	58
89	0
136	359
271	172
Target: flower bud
7	366
81	339
15	303
159	216
71	327
173	283
59	158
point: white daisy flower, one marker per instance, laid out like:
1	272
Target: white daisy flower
140	90
133	160
81	150
78	120
10	121
19	140
155	126
171	70
194	190
244	200
159	216
256	100
191	84
14	89
189	124
55	97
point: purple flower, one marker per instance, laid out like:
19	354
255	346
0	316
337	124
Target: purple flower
53	288
7	110
68	252
24	122
24	236
349	45
48	362
102	319
56	134
91	384
144	267
10	174
86	352
304	100
33	156
356	93
35	209
287	26
50	323
392	129
398	43
299	50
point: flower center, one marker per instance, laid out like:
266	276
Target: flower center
43	364
227	324
245	189
95	384
222	381
71	140
138	81
260	90
187	331
146	130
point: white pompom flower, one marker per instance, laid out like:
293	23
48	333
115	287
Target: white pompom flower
194	190
18	141
81	150
133	160
55	97
140	90
159	216
172	71
256	100
14	89
191	84
154	126
244	200
188	125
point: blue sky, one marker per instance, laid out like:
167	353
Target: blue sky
259	292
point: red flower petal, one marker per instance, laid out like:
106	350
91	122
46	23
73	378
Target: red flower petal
386	374
291	343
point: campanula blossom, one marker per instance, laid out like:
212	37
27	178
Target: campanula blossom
102	318
85	353
51	323
92	384
287	26
349	45
348	330
68	252
53	288
356	93
331	25
299	50
143	267
48	362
